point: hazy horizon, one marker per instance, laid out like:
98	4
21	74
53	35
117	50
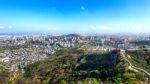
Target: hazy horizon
74	16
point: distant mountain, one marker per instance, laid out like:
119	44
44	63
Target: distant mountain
123	34
73	35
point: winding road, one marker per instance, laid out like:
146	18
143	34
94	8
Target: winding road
122	52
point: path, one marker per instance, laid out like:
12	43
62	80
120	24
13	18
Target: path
122	52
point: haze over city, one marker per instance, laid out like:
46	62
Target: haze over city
74	16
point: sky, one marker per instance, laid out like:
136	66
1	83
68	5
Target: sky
74	16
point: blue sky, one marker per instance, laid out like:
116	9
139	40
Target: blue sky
74	16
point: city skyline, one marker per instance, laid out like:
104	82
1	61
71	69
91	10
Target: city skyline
74	16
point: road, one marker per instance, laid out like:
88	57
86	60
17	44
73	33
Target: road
138	49
122	52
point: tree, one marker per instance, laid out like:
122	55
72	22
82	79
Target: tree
62	82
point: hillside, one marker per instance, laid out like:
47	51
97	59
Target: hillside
76	66
140	58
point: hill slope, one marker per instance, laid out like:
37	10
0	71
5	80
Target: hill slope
140	58
76	66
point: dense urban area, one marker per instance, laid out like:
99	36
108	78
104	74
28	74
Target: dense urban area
74	59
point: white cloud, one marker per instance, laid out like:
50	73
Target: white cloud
2	27
117	28
10	27
83	8
53	28
102	29
93	28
